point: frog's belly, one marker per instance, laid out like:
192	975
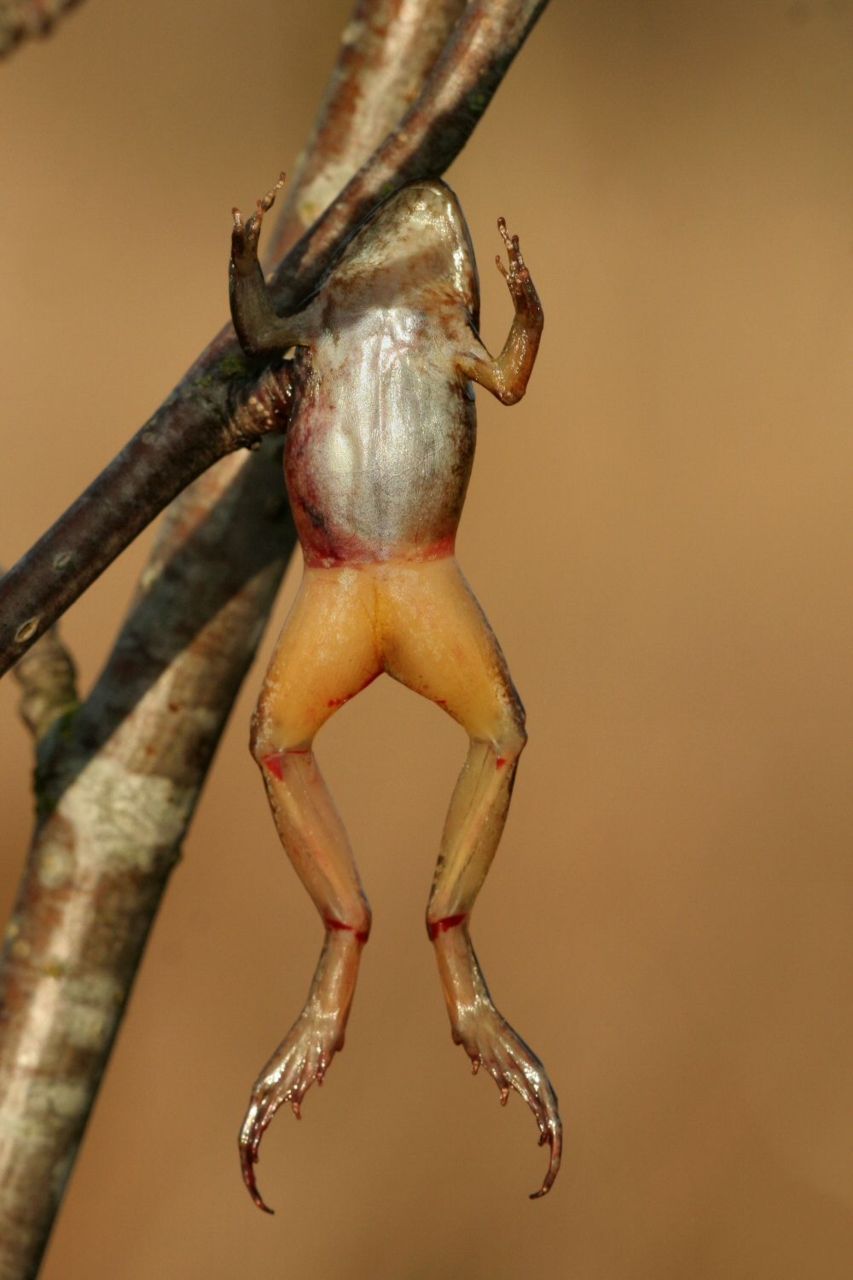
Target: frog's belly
380	470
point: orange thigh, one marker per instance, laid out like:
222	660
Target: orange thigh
326	653
436	640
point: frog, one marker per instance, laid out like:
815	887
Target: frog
377	458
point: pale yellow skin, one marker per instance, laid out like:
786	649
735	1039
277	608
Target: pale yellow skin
382	593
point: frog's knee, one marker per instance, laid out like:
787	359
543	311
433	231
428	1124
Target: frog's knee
511	739
271	740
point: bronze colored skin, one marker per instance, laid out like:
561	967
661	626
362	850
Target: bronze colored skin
377	461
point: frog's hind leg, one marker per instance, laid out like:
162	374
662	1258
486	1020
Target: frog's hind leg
325	655
437	641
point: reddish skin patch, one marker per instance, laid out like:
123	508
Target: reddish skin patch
434	928
273	765
325	550
339	702
361	934
500	762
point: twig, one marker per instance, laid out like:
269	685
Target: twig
223	403
22	19
48	681
394	62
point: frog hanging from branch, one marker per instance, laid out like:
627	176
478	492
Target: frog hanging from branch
377	461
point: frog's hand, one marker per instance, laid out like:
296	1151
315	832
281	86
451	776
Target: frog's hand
260	329
245	235
507	376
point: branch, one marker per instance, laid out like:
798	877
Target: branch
223	402
118	787
380	72
115	795
48	680
22	19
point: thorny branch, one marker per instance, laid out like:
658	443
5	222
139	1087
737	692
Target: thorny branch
117	780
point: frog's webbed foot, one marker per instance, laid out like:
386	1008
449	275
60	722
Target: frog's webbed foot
303	1057
245	235
490	1042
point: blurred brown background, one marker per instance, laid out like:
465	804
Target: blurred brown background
660	536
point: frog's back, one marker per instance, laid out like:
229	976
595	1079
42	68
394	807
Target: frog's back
380	452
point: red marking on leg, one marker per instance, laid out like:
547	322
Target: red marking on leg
339	702
331	923
435	927
441	702
500	762
273	765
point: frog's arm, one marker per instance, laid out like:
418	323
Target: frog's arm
507	376
260	330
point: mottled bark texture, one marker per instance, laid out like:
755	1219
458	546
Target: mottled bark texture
48	680
118	778
117	782
225	402
23	19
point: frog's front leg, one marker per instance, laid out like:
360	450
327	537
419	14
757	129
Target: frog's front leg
507	376
260	329
326	654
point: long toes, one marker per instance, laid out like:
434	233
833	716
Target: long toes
251	1184
265	1115
249	1140
554	1137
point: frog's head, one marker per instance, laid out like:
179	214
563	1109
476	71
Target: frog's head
415	249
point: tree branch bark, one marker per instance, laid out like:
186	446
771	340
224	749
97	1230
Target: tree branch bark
224	402
23	19
118	781
48	680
